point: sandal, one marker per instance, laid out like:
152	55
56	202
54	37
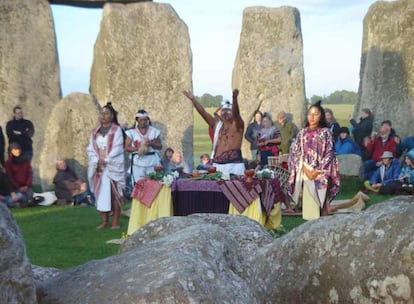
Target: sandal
116	227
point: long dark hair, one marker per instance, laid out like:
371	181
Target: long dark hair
322	122
113	111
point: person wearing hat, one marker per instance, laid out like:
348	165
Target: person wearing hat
386	176
288	131
144	144
228	134
346	145
407	171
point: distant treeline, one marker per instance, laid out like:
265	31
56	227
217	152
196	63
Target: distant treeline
337	97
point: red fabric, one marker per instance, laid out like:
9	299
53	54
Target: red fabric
377	148
146	190
240	195
19	174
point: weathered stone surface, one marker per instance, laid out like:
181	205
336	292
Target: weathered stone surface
248	234
41	274
29	70
350	165
202	263
364	258
142	60
355	258
92	3
387	64
16	278
269	64
69	126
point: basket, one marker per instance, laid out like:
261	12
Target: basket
276	161
283	176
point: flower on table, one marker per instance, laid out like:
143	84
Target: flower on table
265	174
164	178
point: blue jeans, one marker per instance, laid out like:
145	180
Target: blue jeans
9	201
369	168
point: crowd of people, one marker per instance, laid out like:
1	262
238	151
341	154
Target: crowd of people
115	153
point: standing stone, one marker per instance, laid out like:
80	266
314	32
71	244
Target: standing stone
269	64
142	60
68	130
29	70
387	65
16	277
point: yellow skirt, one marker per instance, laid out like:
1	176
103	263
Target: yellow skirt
255	212
310	207
141	214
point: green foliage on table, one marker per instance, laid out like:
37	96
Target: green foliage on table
156	175
212	176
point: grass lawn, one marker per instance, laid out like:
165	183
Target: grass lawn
64	237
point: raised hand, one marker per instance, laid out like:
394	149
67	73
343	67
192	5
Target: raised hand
188	94
235	93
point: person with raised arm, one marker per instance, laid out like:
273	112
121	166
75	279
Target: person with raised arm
228	134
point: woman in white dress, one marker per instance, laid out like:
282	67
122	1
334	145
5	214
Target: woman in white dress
106	171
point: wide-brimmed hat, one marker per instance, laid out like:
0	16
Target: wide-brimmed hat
387	154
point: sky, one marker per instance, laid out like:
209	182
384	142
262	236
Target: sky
331	32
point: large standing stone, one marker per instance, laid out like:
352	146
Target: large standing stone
142	60
387	64
16	277
269	64
29	70
68	130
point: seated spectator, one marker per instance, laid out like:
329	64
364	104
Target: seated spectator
405	145
333	126
178	164
363	128
346	145
407	172
166	159
385	178
376	147
8	193
69	189
20	173
204	162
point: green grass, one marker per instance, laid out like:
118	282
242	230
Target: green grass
64	237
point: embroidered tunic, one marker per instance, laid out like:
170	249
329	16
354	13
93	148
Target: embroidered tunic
315	147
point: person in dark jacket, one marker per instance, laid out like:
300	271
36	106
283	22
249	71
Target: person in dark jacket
363	128
19	171
252	131
69	189
8	194
21	130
